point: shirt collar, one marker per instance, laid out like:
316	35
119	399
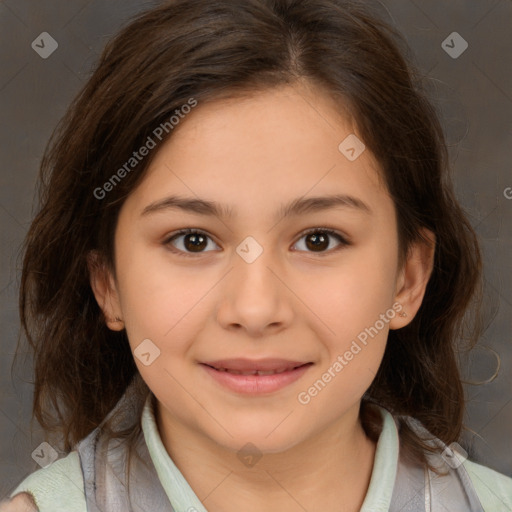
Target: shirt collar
183	498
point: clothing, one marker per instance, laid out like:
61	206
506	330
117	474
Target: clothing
60	487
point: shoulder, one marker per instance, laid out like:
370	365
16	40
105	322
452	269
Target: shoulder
58	487
494	489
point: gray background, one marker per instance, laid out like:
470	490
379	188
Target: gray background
472	93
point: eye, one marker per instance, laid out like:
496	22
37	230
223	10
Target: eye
317	240
194	241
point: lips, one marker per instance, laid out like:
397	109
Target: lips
252	372
254	367
255	377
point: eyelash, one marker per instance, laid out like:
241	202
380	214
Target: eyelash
343	241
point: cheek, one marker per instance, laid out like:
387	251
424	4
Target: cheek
355	309
160	302
351	295
341	384
352	308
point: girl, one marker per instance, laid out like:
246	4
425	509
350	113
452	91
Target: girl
245	286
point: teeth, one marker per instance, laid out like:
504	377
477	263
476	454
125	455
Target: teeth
253	372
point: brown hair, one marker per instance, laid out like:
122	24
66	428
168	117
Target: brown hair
206	50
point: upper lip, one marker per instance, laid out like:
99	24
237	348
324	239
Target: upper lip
248	365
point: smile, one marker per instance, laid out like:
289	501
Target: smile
255	377
253	372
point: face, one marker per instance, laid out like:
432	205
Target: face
308	294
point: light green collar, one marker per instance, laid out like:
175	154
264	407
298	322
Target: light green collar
183	498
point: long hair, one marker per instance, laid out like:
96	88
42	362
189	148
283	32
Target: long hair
205	51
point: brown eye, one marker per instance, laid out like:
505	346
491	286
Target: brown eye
318	240
189	242
194	242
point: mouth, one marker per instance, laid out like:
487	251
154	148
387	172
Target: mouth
255	376
267	366
255	372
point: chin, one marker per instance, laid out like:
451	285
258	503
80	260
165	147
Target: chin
261	439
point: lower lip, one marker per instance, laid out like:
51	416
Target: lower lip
256	384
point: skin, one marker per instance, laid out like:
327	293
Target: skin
254	154
22	502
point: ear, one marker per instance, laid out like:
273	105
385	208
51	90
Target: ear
413	278
104	288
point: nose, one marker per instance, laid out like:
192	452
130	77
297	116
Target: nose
255	296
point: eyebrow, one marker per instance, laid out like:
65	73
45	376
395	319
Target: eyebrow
299	206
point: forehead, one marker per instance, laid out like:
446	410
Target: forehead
262	148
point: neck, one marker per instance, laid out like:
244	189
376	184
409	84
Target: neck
329	471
